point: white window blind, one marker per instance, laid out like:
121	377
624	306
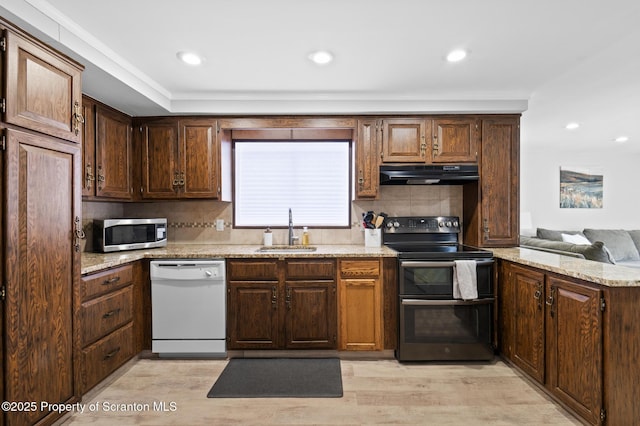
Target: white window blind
311	178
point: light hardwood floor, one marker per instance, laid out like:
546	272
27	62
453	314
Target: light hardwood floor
375	392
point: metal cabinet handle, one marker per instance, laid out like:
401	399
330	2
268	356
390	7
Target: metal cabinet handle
101	177
538	296
78	233
288	298
274	296
111	354
88	176
551	301
78	119
111	313
111	280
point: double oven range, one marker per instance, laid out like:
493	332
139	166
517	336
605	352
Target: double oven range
433	325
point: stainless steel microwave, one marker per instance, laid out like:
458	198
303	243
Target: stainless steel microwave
128	234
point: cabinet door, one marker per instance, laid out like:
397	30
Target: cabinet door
113	154
455	140
43	90
198	158
160	165
500	163
42	266
527	347
88	147
367	159
310	314
574	346
360	314
404	140
253	315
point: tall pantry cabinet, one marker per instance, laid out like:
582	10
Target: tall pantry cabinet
41	127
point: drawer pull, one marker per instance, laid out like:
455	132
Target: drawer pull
111	354
111	280
111	313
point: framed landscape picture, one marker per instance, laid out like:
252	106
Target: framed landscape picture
580	187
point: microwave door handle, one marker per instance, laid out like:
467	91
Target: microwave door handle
449	302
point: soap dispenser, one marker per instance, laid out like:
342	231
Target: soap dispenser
305	236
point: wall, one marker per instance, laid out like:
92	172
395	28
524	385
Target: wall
540	188
194	221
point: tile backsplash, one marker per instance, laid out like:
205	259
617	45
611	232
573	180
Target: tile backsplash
195	221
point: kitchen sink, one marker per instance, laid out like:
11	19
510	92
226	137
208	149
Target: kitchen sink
286	249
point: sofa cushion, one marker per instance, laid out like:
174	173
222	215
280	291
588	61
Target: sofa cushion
575	239
595	251
618	241
550	234
635	236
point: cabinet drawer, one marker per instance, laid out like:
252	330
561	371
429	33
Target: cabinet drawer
310	269
103	315
104	356
260	270
359	268
104	282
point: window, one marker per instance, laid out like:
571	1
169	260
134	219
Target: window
311	178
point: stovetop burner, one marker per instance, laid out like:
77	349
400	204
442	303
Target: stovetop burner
428	237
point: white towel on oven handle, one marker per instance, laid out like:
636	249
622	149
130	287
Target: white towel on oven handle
465	281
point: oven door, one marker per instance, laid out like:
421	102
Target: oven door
434	279
445	330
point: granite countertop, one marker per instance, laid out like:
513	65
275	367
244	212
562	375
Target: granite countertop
93	262
596	272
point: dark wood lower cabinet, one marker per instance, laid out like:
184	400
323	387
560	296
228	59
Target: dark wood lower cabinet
574	346
579	340
107	324
281	304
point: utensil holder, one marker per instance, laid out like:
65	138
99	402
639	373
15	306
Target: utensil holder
372	237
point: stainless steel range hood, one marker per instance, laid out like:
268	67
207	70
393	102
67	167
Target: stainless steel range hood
441	174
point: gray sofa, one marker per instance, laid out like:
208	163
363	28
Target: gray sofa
616	246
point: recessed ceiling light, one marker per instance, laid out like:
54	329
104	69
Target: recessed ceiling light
321	57
572	126
456	55
189	58
621	139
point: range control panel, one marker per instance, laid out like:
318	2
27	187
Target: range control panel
422	224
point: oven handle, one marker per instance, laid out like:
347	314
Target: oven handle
438	264
448	302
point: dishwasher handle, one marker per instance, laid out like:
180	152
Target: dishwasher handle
176	265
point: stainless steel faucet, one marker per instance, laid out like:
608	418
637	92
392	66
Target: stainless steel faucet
292	237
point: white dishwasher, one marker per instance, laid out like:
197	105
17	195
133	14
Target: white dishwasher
188	307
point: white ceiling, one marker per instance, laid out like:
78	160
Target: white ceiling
556	60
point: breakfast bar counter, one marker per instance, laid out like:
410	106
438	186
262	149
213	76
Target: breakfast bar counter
596	272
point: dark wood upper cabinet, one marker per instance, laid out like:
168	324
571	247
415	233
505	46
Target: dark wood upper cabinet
367	154
88	147
491	206
43	89
180	159
160	173
113	154
108	161
404	140
199	170
455	140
